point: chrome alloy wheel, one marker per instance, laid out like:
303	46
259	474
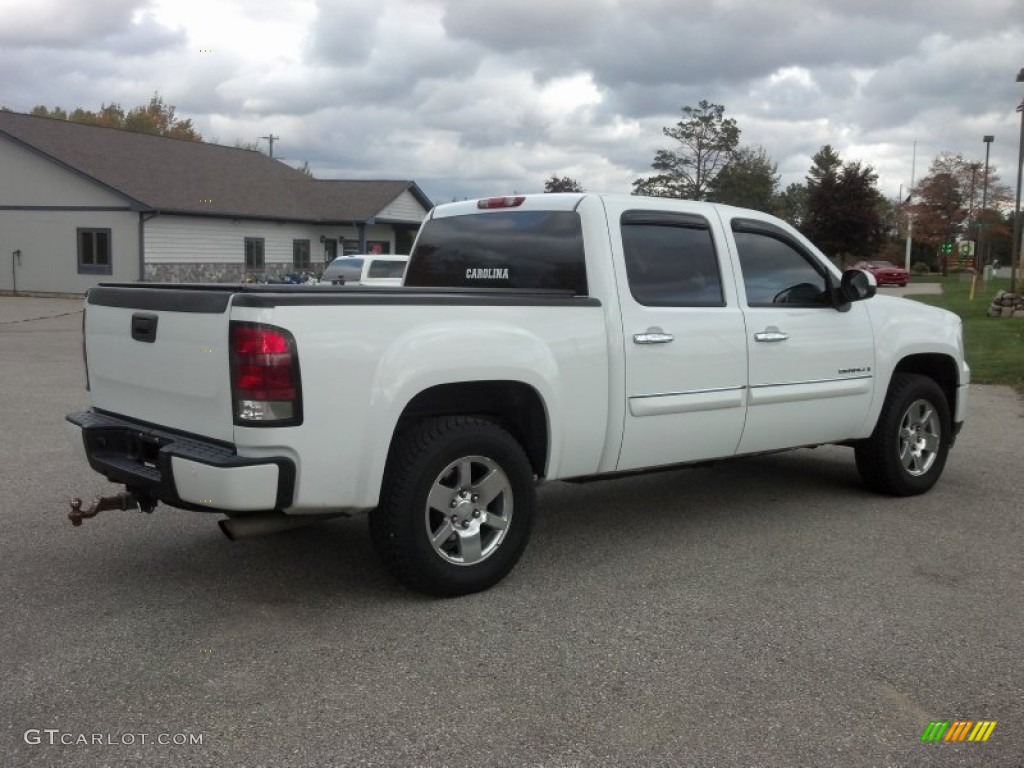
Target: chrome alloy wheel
919	437
468	510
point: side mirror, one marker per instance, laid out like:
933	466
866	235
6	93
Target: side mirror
857	285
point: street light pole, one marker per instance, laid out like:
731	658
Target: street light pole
1015	246
979	259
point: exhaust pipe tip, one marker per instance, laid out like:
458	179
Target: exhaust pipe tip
226	528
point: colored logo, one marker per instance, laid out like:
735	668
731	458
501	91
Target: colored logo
958	730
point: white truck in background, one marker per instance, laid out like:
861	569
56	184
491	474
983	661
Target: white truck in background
535	338
366	269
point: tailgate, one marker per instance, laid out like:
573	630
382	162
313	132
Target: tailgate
160	355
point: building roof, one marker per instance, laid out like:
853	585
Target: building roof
155	173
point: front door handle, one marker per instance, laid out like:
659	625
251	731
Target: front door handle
771	333
653	336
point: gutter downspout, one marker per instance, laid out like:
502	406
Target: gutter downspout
144	216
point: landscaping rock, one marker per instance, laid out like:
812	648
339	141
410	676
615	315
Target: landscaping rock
1006	304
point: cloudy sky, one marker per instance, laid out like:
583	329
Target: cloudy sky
477	97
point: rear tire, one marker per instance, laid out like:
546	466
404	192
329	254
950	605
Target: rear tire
906	453
456	506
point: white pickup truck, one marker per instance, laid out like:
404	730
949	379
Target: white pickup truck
536	338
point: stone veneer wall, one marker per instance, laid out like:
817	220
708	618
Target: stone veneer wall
209	273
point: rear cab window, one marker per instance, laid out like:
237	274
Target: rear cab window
524	249
386	268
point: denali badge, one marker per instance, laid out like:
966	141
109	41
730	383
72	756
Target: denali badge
487	274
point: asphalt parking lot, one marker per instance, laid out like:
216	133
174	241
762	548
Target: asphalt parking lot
764	612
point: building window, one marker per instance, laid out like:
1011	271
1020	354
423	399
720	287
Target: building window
330	250
94	252
254	253
300	254
378	247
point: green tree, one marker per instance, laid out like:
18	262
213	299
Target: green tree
41	111
707	140
791	204
843	215
749	180
825	167
562	184
156	117
822	192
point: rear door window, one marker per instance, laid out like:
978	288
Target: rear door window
671	260
501	249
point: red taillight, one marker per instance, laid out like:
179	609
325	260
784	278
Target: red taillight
258	340
500	202
264	376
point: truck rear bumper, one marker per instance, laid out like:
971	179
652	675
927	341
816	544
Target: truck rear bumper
186	471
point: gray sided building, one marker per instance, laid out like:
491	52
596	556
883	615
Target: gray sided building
81	204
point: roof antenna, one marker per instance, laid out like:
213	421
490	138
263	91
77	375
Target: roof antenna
271	138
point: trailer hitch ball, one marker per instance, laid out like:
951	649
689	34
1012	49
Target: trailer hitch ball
122	501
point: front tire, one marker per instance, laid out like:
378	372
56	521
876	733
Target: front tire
456	506
906	453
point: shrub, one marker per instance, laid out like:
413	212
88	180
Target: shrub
920	268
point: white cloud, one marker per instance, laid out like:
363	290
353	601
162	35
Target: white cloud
472	97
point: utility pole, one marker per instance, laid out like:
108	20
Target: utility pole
271	138
979	258
1015	247
910	216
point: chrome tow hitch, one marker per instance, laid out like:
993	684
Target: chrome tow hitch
123	501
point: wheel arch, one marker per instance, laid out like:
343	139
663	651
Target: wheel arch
941	368
517	406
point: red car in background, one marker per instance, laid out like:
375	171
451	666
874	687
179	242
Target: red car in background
885	272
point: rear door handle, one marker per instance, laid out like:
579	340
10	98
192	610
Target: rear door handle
653	336
771	333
